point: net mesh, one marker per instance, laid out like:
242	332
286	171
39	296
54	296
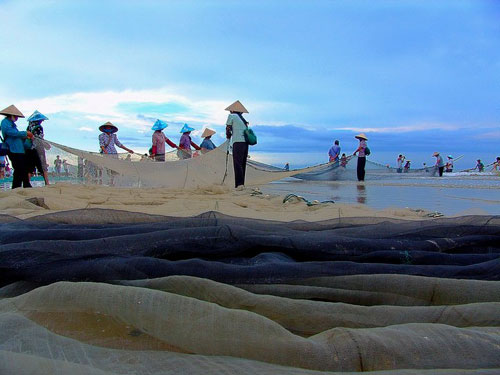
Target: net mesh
115	292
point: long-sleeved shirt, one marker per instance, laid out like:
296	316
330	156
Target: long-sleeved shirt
334	152
108	141
185	142
159	140
362	147
439	161
13	137
207	144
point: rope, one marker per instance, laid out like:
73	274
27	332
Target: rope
227	157
289	197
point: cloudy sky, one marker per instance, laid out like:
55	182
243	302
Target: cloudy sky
415	76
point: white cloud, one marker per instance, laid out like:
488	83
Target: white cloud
402	129
85	129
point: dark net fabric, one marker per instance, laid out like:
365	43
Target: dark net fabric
113	292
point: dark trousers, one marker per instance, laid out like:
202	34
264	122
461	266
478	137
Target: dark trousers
240	154
20	171
440	169
361	168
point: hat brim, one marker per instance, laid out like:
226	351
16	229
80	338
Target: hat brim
115	129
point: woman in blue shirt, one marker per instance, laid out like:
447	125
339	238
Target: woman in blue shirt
235	126
15	140
207	144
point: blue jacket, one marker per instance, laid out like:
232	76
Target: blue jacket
13	137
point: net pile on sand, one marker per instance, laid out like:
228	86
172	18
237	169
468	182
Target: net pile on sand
214	294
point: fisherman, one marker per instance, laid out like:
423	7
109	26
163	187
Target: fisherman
439	163
286	167
185	143
108	140
343	161
58	165
36	154
400	161
407	166
496	164
207	144
235	127
449	164
15	141
334	152
479	166
361	156
159	139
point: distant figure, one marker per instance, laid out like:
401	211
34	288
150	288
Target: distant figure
207	144
65	167
334	152
479	166
159	139
449	164
15	140
128	157
407	166
400	161
79	171
36	154
496	164
108	140
343	161
361	156
185	143
425	167
439	163
235	127
58	165
286	167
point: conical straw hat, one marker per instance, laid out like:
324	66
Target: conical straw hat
237	107
362	136
11	110
207	133
435	153
115	129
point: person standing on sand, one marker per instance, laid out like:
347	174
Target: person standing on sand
449	164
439	163
108	140
159	139
36	154
334	153
15	140
235	128
400	161
207	144
58	165
361	156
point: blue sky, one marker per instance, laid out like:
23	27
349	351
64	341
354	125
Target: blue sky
415	76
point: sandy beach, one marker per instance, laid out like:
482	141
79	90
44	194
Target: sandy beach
249	203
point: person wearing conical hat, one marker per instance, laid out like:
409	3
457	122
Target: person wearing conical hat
235	127
15	142
159	139
186	142
439	163
361	156
108	139
207	144
36	154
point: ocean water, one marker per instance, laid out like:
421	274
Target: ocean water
452	194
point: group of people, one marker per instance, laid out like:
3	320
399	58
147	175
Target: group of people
25	149
362	151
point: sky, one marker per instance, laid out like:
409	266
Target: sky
414	76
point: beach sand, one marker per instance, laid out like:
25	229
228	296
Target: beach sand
248	203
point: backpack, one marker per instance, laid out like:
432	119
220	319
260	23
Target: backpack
367	151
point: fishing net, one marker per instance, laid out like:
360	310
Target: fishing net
115	292
134	170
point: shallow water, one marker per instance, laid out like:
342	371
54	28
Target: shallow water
450	195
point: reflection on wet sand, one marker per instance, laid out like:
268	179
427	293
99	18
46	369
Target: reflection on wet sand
361	197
